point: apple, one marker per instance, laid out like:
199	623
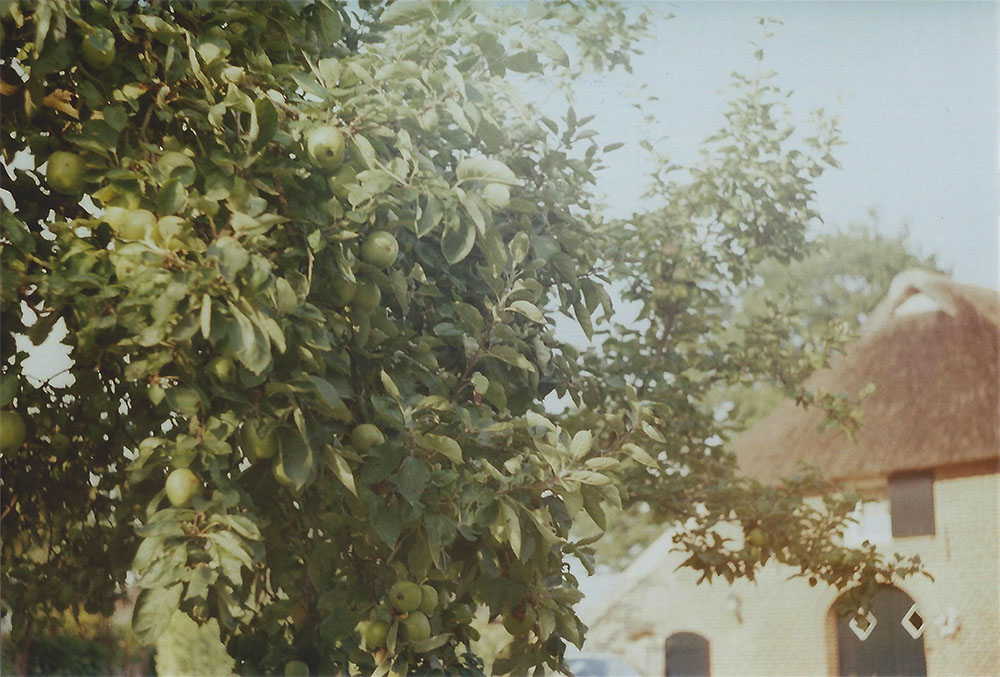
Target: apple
99	48
222	368
64	172
415	627
344	290
325	145
12	431
405	597
428	600
181	486
256	447
339	181
374	633
380	249
519	625
496	195
367	296
296	669
366	436
757	537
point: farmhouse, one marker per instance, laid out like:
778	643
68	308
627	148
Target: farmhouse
927	455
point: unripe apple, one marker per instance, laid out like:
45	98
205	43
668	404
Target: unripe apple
64	172
325	146
415	627
12	431
497	195
296	669
428	600
367	296
344	290
519	625
99	48
380	249
366	436
374	634
256	447
181	486
405	596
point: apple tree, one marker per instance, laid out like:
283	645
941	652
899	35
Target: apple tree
304	257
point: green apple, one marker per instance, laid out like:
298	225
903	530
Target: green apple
99	48
367	296
366	436
374	633
415	627
428	600
405	597
296	669
256	447
519	625
325	145
12	431
496	195
380	249
64	172
339	181
222	368
344	290
181	486
757	537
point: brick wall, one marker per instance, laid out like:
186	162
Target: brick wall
784	627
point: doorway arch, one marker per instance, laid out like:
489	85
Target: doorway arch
893	646
687	655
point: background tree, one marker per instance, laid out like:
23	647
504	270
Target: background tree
840	278
308	258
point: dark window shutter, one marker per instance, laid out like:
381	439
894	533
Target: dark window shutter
911	504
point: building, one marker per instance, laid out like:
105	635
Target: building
928	453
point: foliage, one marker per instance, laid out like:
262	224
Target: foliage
223	319
68	655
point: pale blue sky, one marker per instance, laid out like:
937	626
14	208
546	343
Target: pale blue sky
914	83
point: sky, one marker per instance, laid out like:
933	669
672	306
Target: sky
915	85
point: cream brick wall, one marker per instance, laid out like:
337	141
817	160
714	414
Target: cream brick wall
784	627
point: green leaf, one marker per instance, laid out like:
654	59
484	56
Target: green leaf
457	240
267	120
154	609
430	216
639	454
524	62
412	479
341	469
326	391
297	459
485	169
652	432
442	445
581	444
513	524
403	12
529	310
511	356
205	316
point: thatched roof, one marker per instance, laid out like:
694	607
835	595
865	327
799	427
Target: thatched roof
937	399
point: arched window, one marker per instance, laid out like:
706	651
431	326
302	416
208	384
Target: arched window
889	642
687	655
